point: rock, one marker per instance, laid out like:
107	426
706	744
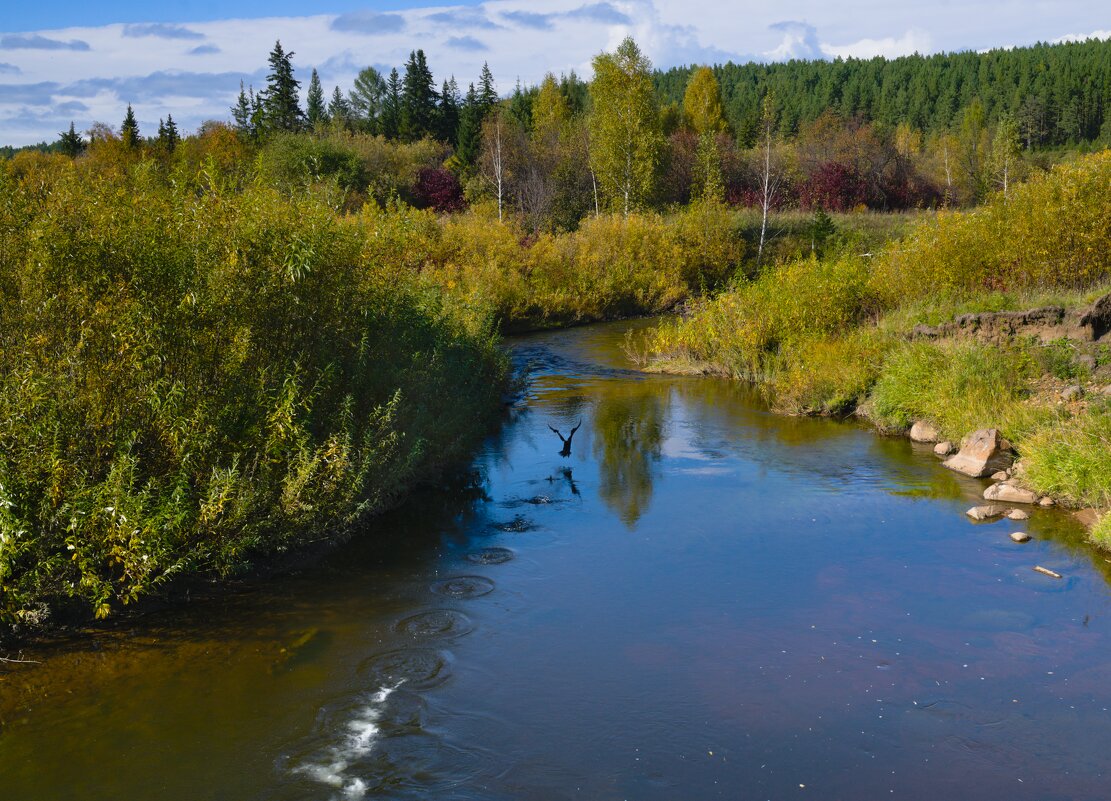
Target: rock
1020	536
1106	390
1018	469
1047	501
923	331
944	448
1086	361
986	512
1018	514
981	454
1002	475
1075	392
1009	493
1098	318
922	431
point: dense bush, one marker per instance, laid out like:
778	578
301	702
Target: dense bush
194	378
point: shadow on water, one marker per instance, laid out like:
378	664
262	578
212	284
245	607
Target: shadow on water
698	599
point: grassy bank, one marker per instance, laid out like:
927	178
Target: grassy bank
830	335
192	379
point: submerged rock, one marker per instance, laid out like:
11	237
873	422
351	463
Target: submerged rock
922	431
944	448
1009	493
1020	536
1018	514
986	512
982	453
1047	501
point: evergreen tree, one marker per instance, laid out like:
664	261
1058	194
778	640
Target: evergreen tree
391	107
129	131
281	107
520	106
169	135
70	142
339	110
316	112
487	92
448	113
418	99
469	141
241	112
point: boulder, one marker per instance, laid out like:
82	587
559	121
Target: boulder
981	454
1018	514
1106	390
986	512
1046	501
1002	475
1098	318
1087	362
1009	493
944	448
1020	536
1074	392
922	431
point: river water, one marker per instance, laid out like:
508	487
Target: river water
703	600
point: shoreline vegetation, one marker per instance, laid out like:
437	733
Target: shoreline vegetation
852	335
225	346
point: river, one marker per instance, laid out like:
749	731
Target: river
703	600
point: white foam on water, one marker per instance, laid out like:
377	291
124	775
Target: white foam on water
362	733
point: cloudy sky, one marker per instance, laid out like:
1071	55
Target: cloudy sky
70	60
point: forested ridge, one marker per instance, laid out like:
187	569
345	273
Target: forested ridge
1059	94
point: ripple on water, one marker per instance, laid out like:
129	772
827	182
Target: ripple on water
491	556
518	525
463	587
435	623
416	668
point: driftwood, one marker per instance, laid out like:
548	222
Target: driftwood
1046	571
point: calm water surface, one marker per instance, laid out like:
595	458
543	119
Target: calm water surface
703	600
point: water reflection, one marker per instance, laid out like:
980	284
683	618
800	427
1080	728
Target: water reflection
629	431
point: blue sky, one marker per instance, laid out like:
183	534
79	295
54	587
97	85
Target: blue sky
85	62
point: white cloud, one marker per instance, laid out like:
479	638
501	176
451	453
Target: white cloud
1082	37
192	69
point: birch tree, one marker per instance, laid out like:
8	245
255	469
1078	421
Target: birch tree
771	175
625	136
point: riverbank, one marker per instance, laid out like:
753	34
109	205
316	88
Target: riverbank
889	338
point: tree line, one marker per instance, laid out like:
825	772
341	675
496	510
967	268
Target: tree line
832	136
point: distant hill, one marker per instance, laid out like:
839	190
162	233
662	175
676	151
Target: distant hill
1060	94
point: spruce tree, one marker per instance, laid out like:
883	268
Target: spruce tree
469	141
487	92
168	134
241	112
418	99
339	110
282	109
129	131
391	106
70	142
448	113
317	112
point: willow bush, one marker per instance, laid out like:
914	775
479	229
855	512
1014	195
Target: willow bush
192	378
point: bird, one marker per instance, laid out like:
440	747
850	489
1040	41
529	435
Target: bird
566	440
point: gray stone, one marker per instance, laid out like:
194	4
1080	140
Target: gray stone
1009	493
922	431
1020	536
944	448
1047	501
1075	392
1086	361
1002	475
1018	514
982	453
986	512
1106	390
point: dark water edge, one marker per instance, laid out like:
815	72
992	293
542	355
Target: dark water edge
704	600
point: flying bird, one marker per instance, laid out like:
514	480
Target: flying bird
566	440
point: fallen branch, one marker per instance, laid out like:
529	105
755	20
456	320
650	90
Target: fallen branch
1047	571
19	661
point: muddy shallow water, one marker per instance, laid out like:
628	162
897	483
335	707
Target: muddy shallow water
703	600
